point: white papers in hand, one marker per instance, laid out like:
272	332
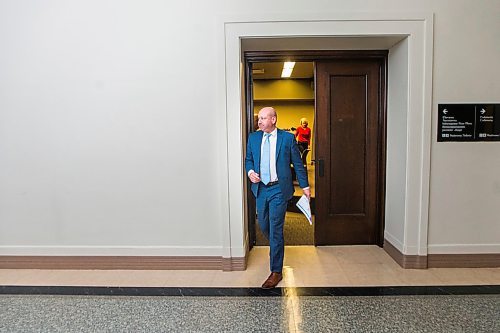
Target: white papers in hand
305	208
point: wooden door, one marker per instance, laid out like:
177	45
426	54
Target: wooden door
350	151
250	128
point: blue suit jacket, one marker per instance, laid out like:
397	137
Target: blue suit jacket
287	152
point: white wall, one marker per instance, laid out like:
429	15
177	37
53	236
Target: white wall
465	182
96	96
107	127
397	104
464	206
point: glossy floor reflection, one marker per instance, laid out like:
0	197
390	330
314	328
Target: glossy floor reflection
305	266
333	295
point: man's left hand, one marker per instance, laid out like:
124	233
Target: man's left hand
307	193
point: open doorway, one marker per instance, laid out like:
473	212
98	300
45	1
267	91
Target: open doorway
409	41
292	95
345	102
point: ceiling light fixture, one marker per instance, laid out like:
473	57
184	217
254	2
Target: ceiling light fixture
287	68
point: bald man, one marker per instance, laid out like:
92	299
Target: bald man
270	152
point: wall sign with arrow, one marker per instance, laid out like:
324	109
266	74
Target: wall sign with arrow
468	122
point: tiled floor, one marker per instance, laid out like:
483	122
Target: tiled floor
353	314
305	266
351	309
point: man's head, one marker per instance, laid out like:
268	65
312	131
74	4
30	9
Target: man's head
267	119
304	122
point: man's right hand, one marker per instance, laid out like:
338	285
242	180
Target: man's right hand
254	177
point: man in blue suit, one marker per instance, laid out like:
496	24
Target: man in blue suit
270	152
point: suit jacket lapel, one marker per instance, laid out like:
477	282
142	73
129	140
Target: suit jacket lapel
279	140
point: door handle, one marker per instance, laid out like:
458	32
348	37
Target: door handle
321	167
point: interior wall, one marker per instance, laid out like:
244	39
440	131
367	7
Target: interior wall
108	128
111	122
396	150
286	89
465	184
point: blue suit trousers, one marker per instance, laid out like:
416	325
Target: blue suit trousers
271	210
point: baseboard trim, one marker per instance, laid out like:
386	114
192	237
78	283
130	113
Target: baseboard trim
405	261
470	260
479	260
234	264
124	262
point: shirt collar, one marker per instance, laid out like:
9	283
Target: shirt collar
274	133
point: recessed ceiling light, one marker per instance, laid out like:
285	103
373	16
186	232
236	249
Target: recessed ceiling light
287	68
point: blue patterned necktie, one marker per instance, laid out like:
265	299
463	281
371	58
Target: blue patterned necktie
265	167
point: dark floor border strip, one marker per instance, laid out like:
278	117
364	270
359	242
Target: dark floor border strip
285	292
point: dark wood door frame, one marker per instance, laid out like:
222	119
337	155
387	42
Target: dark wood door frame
251	57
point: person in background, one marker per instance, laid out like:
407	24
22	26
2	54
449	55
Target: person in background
303	135
270	152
